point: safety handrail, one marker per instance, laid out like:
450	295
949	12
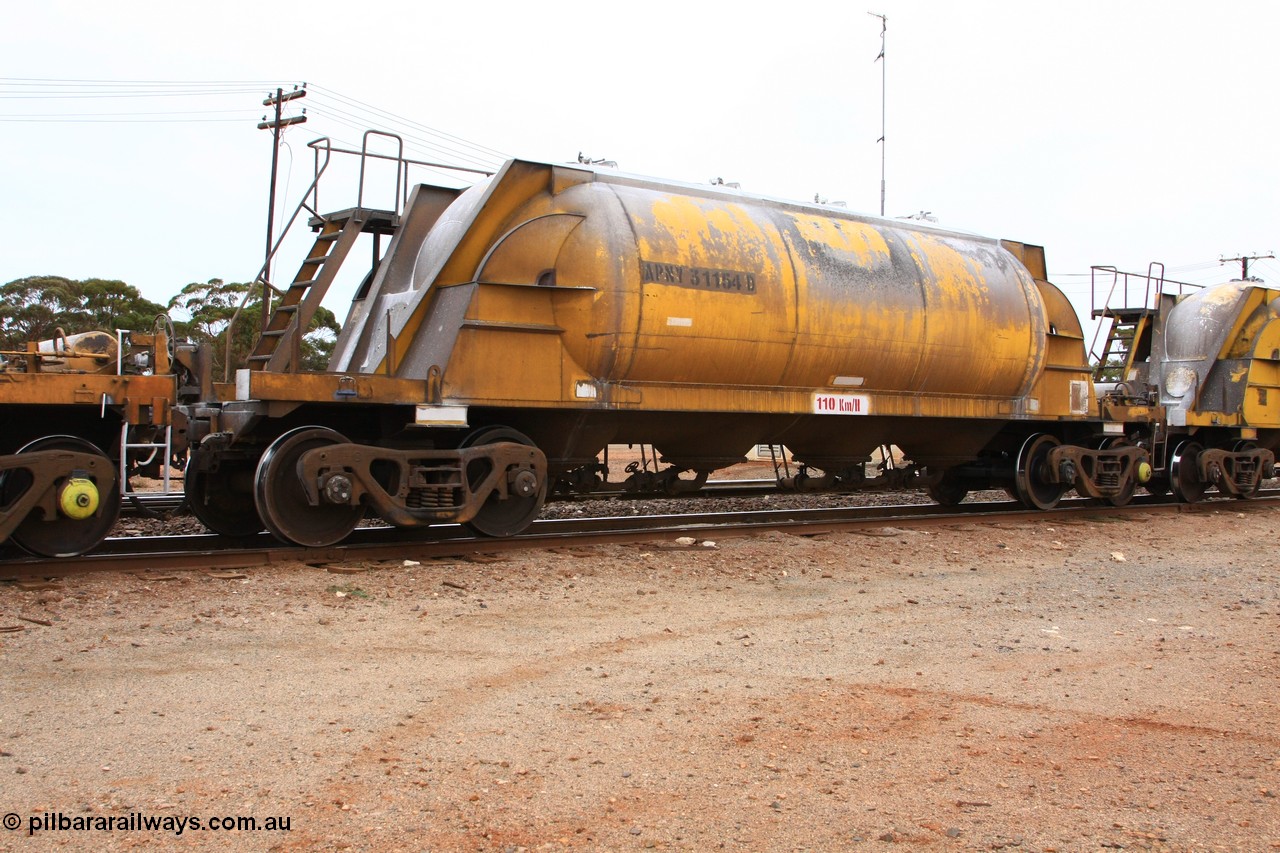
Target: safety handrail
324	145
404	162
401	170
1153	285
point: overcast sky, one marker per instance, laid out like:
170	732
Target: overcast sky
1109	132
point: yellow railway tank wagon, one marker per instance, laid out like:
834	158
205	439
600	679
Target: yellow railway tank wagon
1217	374
514	330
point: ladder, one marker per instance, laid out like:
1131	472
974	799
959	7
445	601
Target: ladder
129	444
1128	340
126	490
278	347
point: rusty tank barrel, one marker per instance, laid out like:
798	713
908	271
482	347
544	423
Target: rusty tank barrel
746	292
698	285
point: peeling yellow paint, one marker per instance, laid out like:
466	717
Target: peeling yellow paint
857	239
764	296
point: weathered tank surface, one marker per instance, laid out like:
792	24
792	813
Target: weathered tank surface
704	320
1221	364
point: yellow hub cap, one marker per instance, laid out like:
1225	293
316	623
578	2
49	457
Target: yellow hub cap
1144	472
78	499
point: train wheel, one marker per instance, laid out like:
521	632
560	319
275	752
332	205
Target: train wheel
948	491
1184	473
87	505
282	501
501	518
1031	479
214	499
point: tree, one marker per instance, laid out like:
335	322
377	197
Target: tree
210	307
33	308
116	305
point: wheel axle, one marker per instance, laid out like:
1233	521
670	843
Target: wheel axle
337	489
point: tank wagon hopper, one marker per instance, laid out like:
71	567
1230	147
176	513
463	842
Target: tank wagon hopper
1206	363
81	413
515	329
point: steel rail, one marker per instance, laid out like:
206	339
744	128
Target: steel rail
210	551
146	503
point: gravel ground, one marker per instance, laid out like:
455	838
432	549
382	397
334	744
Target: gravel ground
1034	686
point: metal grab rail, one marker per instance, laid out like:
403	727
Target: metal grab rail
1153	285
1121	280
402	167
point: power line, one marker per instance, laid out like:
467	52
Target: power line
51	91
87	96
321	109
327	105
106	115
96	82
413	124
60	91
1204	265
116	120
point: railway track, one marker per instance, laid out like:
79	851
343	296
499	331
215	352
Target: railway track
210	551
157	503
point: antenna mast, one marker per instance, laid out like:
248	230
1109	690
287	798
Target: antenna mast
884	28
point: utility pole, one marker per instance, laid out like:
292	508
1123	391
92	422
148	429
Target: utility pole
275	127
884	28
1244	263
